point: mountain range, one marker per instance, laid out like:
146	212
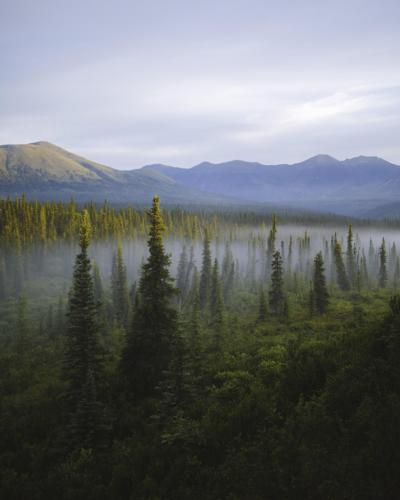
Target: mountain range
361	186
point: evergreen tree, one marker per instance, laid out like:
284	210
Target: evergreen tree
119	286
216	301
206	274
382	277
276	295
271	242
97	284
81	347
321	296
155	322
341	275
351	267
182	276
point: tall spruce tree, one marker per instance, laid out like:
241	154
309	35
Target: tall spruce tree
341	276
350	261
271	242
216	301
119	285
205	274
276	294
81	356
149	348
321	296
383	276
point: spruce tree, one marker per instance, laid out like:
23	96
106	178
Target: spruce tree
382	277
271	242
205	274
276	295
341	275
97	284
81	357
351	266
216	301
119	285
182	276
321	296
150	342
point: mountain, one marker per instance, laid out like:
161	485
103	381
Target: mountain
45	171
354	186
361	186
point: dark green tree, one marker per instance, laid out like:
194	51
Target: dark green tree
321	296
382	276
350	260
81	356
119	285
341	275
216	300
276	294
205	274
150	342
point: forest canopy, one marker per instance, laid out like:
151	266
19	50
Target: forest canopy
196	354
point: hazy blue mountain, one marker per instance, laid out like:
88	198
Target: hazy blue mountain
351	186
363	186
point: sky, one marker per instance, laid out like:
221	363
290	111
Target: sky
129	83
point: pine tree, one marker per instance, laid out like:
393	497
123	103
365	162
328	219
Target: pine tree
351	267
271	242
81	349
341	275
119	285
382	277
182	276
206	274
150	343
321	296
216	301
276	295
97	284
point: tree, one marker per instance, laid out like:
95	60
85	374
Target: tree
216	301
81	356
205	274
321	296
271	242
350	261
119	285
341	275
182	276
382	277
276	295
149	348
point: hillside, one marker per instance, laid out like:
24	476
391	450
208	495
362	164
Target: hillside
361	186
44	171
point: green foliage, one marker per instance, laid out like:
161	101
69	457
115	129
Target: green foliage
320	292
276	294
149	344
235	400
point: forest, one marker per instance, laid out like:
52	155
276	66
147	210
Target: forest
197	354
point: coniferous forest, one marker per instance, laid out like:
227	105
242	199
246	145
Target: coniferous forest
188	354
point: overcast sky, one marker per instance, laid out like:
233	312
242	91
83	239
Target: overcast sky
128	82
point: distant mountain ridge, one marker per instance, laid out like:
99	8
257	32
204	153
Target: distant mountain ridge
356	186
